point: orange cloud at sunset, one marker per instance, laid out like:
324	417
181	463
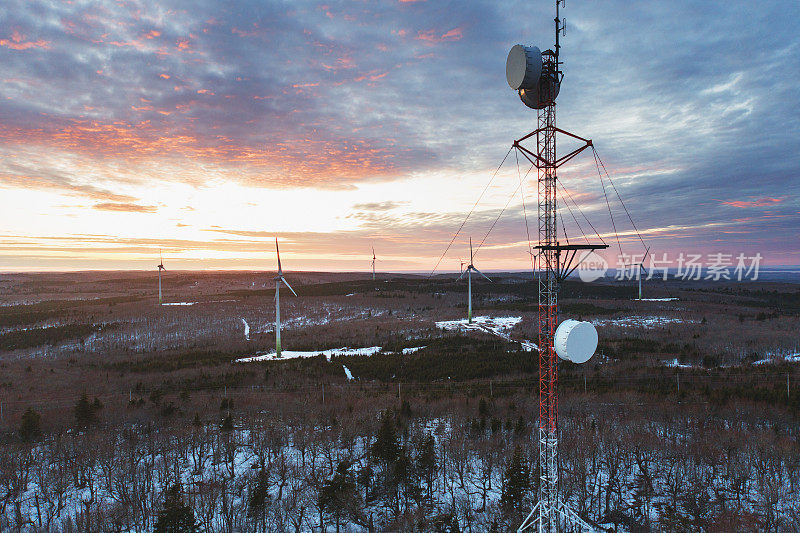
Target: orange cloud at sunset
130	208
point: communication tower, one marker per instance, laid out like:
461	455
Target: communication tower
537	77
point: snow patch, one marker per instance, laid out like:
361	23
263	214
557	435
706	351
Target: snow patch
179	303
640	321
779	358
495	325
656	299
529	346
675	364
498	326
407	351
246	329
348	373
288	354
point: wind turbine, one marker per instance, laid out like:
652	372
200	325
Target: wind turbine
639	268
160	268
373	263
461	268
278	280
468	271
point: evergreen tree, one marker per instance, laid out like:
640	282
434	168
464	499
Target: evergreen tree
175	516
86	411
446	523
483	407
426	462
516	482
259	495
339	495
30	427
386	446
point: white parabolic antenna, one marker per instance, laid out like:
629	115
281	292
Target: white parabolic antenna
523	67
575	341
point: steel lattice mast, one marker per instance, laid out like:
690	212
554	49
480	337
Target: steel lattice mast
550	514
548	317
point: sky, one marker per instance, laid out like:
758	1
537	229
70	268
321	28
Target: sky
206	129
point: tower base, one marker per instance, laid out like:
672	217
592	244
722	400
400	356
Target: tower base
558	518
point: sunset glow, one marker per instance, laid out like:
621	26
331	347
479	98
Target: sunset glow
206	130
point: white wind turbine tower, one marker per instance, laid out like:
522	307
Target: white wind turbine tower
468	271
160	268
278	280
639	268
373	263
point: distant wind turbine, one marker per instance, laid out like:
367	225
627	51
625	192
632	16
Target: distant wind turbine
469	270
639	267
278	280
639	273
160	268
461	268
373	263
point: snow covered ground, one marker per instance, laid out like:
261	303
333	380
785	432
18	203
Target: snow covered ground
288	354
407	351
648	322
493	325
498	325
779	358
675	364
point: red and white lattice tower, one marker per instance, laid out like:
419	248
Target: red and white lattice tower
537	77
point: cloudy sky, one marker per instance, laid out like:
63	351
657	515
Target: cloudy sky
206	128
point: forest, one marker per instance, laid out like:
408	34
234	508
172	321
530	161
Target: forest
118	415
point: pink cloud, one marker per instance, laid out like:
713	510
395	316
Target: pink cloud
17	42
759	202
433	36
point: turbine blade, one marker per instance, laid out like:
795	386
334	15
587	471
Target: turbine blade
470	251
278	250
481	273
290	287
462	275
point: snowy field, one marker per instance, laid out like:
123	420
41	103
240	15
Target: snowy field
498	326
289	354
647	322
779	358
495	325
